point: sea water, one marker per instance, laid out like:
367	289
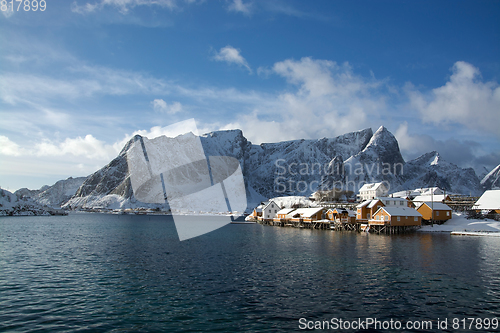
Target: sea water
127	273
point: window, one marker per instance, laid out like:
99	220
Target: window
399	218
401	203
437	213
447	213
368	216
416	218
387	217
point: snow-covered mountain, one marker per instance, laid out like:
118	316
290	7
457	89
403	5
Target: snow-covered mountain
297	167
492	180
431	170
55	195
11	204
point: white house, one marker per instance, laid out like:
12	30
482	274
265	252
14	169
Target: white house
372	190
269	210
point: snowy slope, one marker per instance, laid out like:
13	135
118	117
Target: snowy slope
459	222
294	168
492	180
431	170
11	204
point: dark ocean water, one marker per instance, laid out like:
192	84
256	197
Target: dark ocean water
109	273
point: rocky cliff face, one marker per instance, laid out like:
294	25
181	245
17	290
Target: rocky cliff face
13	205
55	195
492	180
297	167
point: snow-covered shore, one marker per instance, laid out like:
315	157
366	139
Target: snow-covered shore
459	224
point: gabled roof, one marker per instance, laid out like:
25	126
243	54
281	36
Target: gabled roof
391	198
399	211
286	211
267	203
305	212
429	198
364	203
435	205
374	202
371	186
490	200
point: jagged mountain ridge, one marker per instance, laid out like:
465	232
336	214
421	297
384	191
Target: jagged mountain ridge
12	204
55	195
296	167
492	180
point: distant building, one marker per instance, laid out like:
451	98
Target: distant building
366	209
306	214
396	216
442	212
489	201
266	210
341	215
372	190
282	214
431	198
425	191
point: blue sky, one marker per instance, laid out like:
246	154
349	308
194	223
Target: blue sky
80	78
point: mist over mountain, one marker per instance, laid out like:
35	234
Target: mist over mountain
297	167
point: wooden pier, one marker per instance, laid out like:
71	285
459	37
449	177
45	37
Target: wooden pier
339	226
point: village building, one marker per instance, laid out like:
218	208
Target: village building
372	190
489	202
442	212
365	210
396	202
431	198
425	191
282	214
306	214
266	211
396	216
341	215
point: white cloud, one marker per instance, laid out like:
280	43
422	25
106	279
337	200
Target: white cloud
8	147
159	105
231	55
84	82
325	100
240	7
123	5
464	100
8	13
88	147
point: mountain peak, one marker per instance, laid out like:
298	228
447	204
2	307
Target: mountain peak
492	180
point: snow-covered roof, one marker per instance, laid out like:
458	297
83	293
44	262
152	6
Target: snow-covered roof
286	211
373	203
305	212
429	198
436	205
400	211
428	190
371	186
391	198
268	203
364	203
490	200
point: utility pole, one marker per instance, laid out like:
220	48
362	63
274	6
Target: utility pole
432	208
